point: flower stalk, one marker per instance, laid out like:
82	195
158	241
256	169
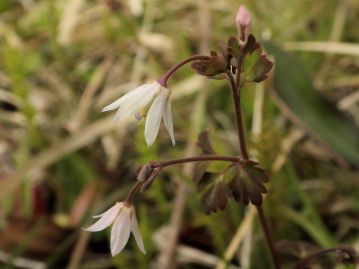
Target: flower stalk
196	159
344	255
132	193
156	166
163	80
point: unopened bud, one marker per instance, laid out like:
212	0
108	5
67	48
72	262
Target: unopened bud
145	173
243	21
150	180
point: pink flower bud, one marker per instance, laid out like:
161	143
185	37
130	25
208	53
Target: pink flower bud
243	21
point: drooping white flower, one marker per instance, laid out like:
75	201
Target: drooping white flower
150	100
123	219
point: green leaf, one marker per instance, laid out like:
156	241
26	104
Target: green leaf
260	69
256	65
294	88
234	47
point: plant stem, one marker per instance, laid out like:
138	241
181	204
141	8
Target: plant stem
131	194
159	165
268	236
239	120
349	251
196	159
169	73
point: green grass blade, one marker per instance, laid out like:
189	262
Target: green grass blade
294	88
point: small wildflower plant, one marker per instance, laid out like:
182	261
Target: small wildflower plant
240	61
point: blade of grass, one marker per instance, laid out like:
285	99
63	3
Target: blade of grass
299	100
342	48
308	218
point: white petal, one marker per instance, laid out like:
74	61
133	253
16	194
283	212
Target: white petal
136	233
120	231
118	204
137	102
138	92
167	118
154	116
130	108
125	97
106	219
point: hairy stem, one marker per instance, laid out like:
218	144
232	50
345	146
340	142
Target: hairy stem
169	73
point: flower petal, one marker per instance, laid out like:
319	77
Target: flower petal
106	219
120	231
126	97
137	102
167	119
136	233
154	116
119	204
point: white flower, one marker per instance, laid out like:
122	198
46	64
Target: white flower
123	218
137	102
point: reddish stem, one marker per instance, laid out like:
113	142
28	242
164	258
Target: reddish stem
239	118
131	194
159	165
345	250
196	159
171	71
262	218
269	237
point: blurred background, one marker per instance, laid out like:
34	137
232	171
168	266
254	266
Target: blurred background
62	161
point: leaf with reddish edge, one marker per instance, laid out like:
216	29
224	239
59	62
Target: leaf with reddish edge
256	65
244	182
251	45
248	185
233	47
260	69
214	67
215	197
257	173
